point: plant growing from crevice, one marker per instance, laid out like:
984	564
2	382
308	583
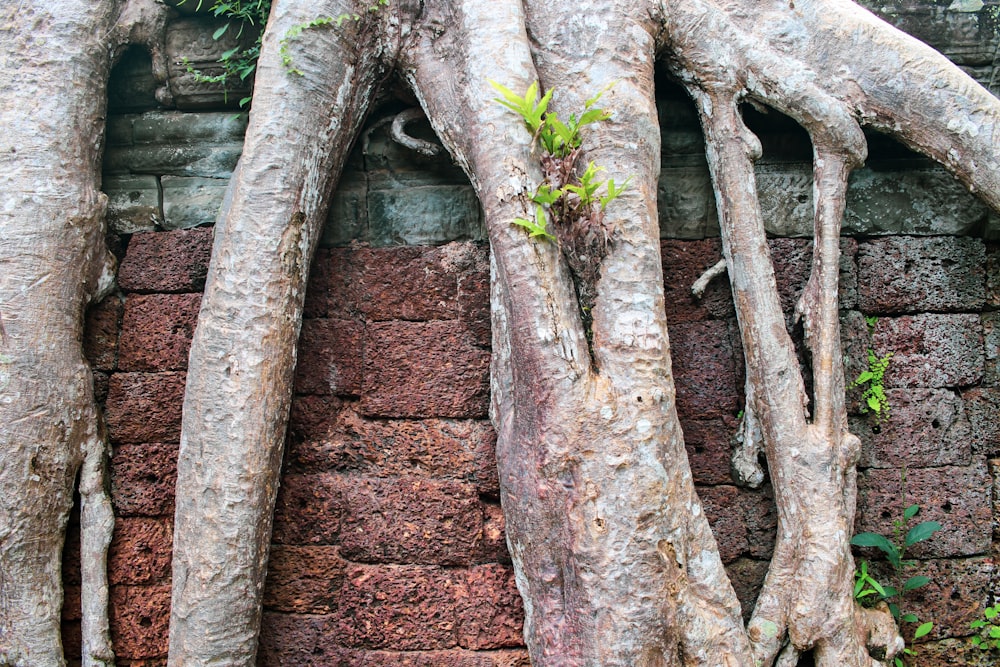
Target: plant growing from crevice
320	21
987	629
239	62
869	591
874	399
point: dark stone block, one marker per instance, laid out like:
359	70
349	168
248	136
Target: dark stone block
925	427
101	329
708	443
905	274
727	516
931	350
334	284
683	263
308	509
704	370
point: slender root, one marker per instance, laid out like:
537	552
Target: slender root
399	135
97	522
710	274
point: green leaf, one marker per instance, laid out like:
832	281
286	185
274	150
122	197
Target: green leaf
220	32
879	542
911	512
994	632
538	227
992	612
546	195
914	583
923	629
909	618
978	623
921	532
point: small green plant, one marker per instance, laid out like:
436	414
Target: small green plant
868	591
575	200
874	398
296	30
239	62
988	627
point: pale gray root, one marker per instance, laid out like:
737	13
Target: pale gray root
398	133
711	273
745	464
53	261
239	379
97	522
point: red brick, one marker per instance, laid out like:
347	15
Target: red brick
101	381
906	274
424	369
334	282
727	516
931	350
303	579
704	370
410	520
100	337
494	544
761	520
329	434
139	619
683	263
709	449
409	283
157	331
308	509
145	407
474	294
403	608
956	497
490	615
329	357
175	261
993	275
925	427
792	259
140	551
954	651
143	479
300	640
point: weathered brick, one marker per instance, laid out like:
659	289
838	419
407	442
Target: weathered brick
792	259
991	346
139	618
143	479
145	407
683	264
101	330
490	615
174	261
140	551
954	651
328	434
727	516
303	579
955	596
407	283
329	357
308	509
709	449
956	497
493	548
925	427
761	520
993	275
473	269
704	370
300	640
424	369
403	608
410	520
931	350
983	409
334	284
101	380
906	274
157	331
450	658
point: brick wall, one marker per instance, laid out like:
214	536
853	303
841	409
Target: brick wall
388	544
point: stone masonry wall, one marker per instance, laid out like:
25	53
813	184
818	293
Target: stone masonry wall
388	544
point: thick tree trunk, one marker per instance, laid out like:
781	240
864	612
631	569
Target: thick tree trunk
243	355
53	262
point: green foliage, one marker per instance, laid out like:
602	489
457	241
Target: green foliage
239	62
568	197
320	21
988	627
874	398
868	591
